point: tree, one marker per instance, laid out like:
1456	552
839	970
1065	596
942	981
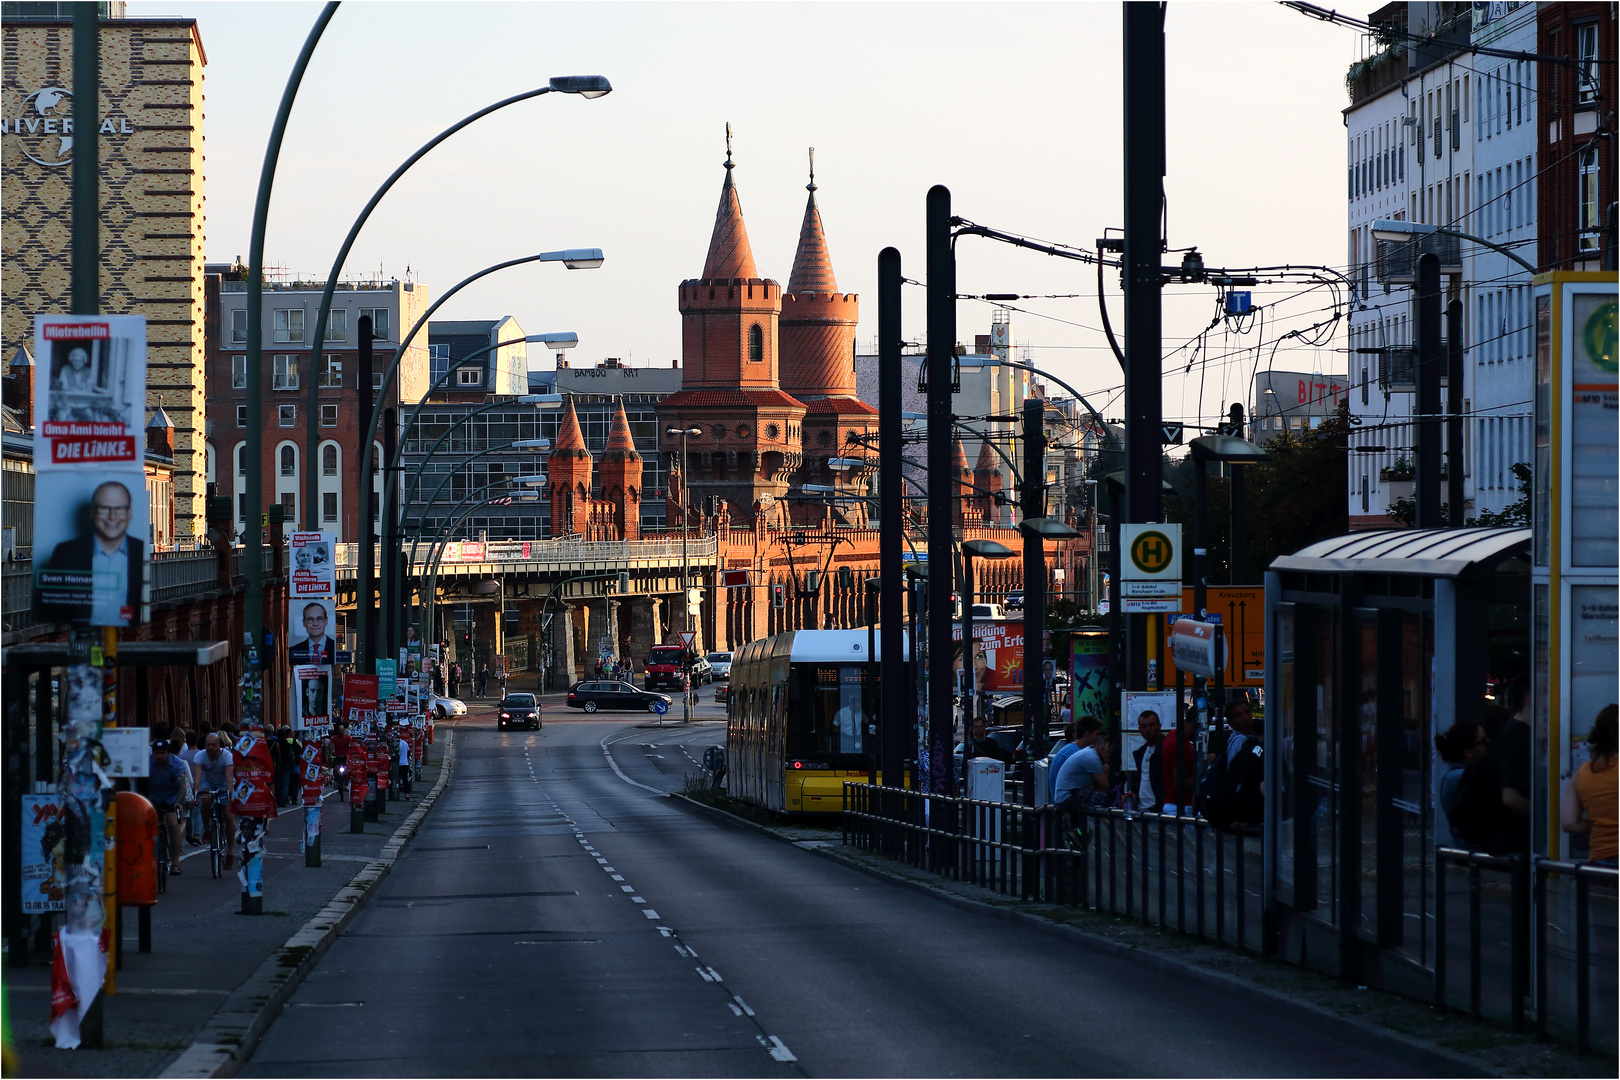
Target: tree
1514	515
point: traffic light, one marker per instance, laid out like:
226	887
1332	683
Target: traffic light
812	582
778	596
466	640
624	581
846	578
708	506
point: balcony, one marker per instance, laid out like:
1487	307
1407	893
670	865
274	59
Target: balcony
1397	259
1398	368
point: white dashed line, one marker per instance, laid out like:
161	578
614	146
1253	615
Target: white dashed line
746	1010
704	975
616	877
628	888
774	1045
649	912
637	900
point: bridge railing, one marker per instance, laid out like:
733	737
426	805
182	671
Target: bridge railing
561	550
172	575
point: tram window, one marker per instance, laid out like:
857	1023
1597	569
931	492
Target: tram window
830	715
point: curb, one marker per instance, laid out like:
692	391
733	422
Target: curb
1438	1060
232	1033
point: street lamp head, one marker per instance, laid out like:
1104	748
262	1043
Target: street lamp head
693	431
1047	528
914	417
574	258
532	480
1388	229
1228	448
541	401
987	549
818	489
532	444
586	86
844	464
566	339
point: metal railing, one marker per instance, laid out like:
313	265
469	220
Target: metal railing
1492	929
1171	872
1577	939
561	551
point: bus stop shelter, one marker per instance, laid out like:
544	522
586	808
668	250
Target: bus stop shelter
1377	641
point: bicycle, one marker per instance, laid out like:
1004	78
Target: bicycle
161	851
217	844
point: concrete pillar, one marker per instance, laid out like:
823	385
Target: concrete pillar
645	631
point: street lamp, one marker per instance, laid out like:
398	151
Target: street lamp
686	566
1408	231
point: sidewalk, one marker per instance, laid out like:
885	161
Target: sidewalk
202	947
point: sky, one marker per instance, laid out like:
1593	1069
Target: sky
1017	108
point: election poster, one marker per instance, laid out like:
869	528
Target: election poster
313	564
998	659
253	796
92	522
309	631
312	699
44	867
359	702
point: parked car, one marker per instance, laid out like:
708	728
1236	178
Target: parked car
594	694
722	693
720	665
1013	601
987	611
702	670
518	710
444	707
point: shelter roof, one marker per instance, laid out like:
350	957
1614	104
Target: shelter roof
1447	553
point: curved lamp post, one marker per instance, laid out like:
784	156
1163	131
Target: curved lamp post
572	258
253	538
587	86
483	499
686	566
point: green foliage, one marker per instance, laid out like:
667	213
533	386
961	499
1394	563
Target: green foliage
1067	614
1515	515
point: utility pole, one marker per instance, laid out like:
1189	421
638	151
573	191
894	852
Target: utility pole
941	490
1454	413
892	520
1428	391
1034	506
1144	249
1235	521
364	608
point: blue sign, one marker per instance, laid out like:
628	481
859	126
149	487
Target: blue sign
1239	303
660	707
387	679
344	656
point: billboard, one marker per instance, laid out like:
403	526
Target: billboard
92	521
312	699
309	631
312	564
998	656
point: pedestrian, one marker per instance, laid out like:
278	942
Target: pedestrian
405	763
483	681
1460	747
1589	806
1231	793
455	680
1509	761
1060	754
1082	782
980	744
1147	792
1178	763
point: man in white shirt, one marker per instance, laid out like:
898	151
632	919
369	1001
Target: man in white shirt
215	770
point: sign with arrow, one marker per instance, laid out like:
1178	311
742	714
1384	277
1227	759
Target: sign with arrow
1170	434
1241	611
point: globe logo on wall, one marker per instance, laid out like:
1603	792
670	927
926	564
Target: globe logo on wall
46	127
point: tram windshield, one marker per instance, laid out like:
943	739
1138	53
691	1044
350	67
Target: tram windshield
835	704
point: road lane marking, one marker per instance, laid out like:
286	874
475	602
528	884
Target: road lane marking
774	1045
620	772
746	1010
628	888
649	912
637	900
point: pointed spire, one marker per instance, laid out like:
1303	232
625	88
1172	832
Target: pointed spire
620	443
730	256
569	436
959	463
987	459
812	266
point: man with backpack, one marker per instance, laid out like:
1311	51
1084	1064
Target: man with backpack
1231	792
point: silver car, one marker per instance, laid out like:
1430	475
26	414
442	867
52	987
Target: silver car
720	665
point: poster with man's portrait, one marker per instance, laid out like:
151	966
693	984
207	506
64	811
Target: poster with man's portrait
311	698
312	569
310	631
91	539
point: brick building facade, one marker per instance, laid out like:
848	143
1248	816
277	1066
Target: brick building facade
1576	190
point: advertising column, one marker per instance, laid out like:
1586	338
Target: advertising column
91	527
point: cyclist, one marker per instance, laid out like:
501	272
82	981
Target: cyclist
215	770
339	755
166	785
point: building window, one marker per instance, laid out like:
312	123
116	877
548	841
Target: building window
756	343
1586	51
238	372
1588	220
289	506
288	414
329	415
337	325
331	371
241	416
289	461
376	380
379	322
241	506
286	369
238	327
470	376
288	324
328	506
329	460
241	459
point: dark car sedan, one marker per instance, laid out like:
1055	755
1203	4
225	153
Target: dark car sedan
612	694
518	711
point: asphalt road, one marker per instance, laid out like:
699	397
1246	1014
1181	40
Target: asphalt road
556	916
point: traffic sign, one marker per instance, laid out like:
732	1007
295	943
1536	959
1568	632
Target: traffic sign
1241	612
1151	552
1193	647
1170	434
689	638
734	579
660	707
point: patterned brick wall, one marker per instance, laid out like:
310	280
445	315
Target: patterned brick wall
151	165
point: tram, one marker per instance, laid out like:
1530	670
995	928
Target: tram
802	718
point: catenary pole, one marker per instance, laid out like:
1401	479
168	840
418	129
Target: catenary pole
941	491
892	517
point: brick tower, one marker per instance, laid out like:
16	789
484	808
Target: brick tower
964	506
620	473
987	476
750	442
818	359
568	476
